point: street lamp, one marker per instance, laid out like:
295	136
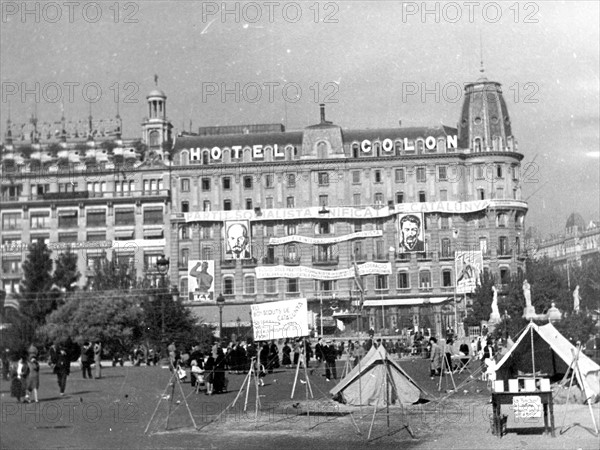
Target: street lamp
220	304
238	321
162	264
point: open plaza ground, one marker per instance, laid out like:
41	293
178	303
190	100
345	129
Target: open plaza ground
116	411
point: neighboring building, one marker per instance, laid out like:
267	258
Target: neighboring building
314	200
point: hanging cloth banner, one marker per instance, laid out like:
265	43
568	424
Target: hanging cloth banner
329	240
368	268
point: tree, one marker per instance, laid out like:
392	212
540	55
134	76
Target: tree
113	275
548	285
482	301
66	274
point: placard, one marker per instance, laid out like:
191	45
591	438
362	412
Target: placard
280	320
527	406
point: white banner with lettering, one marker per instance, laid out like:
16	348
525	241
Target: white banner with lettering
329	240
280	320
368	268
343	212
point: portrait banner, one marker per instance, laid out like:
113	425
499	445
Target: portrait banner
201	276
280	320
411	233
468	266
237	240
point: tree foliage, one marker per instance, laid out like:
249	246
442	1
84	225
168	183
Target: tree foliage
66	274
482	301
112	274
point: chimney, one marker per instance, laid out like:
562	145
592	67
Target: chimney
322	105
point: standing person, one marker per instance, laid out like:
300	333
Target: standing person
87	356
33	379
287	351
263	357
330	353
209	372
273	357
6	364
435	358
296	351
18	374
98	358
172	349
62	369
319	355
307	352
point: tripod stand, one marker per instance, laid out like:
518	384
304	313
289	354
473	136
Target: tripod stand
446	369
302	361
171	384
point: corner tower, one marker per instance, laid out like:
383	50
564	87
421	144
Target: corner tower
156	128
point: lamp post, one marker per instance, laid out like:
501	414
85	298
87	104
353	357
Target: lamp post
162	264
321	315
220	304
238	321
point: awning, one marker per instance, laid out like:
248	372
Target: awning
407	301
153	233
210	314
126	234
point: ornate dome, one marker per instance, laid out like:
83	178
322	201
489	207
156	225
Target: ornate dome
575	220
157	93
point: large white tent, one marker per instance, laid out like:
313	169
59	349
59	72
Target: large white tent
366	383
552	355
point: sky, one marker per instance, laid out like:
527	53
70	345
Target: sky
373	64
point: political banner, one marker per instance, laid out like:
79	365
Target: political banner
237	240
468	266
201	275
411	234
280	320
368	268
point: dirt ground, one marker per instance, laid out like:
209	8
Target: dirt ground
116	412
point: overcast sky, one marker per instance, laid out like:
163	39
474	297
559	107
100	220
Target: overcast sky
545	54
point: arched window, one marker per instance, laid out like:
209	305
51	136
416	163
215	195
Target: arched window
355	150
398	146
154	138
183	287
184	158
477	145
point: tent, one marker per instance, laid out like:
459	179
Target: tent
372	385
553	354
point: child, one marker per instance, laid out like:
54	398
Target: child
33	380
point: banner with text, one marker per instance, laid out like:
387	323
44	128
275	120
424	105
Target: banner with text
280	320
331	240
368	268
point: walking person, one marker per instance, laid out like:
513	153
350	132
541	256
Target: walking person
330	354
33	379
18	374
97	359
87	356
435	358
62	369
286	351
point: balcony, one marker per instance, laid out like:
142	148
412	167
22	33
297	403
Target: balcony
325	260
252	262
293	294
60	195
270	261
424	256
381	257
228	263
291	260
361	257
402	257
445	256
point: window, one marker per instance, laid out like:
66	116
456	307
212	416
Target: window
502	220
248	203
184	232
446	278
499	171
323	178
96	218
292	285
504	275
479	173
378	176
269	231
500	192
269	203
358	227
40	220
184	258
421	174
291	252
323	200
442	173
400	176
356	199
11	266
424	279
324	227
68	187
381	283
248	182
226	205
153	216
481	194
228	285
443	195
11	221
356	177
185	185
206	205
326	286
446	251
403	280
269	180
67	237
515	172
378	199
206	232
502	246
96	236
444	223
290	229
483	245
399	197
271	286
226	183
291	180
67	219
185	207
183	287
207	253
205	184
357	249
249	285
422	197
290	202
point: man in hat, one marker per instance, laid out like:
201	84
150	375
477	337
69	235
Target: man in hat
330	354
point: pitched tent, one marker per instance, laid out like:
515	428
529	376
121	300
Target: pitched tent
553	354
372	374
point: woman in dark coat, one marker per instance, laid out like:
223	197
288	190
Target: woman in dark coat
62	369
209	373
263	358
219	381
287	351
273	357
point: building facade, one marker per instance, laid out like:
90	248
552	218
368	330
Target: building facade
318	212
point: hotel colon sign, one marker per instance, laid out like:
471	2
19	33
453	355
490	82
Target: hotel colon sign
313	210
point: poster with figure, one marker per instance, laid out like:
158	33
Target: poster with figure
411	233
201	276
280	320
237	240
468	266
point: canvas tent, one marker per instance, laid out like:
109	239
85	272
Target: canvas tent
371	390
553	354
